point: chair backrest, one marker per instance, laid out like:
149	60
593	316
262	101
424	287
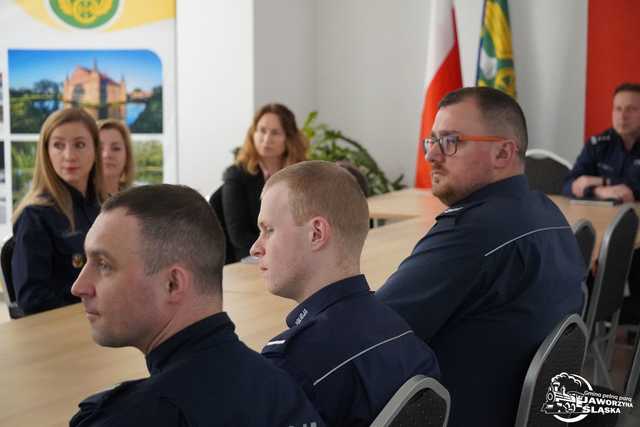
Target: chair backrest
420	402
215	200
633	377
586	237
563	350
6	253
546	171
614	261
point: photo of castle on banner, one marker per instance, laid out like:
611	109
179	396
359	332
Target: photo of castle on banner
119	84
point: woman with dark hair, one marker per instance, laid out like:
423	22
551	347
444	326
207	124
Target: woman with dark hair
52	220
273	141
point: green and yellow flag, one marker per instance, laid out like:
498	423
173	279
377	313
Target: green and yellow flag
495	56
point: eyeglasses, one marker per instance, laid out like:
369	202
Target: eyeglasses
449	143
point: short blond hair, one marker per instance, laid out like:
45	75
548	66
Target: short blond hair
320	188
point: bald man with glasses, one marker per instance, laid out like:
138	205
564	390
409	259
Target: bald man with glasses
498	270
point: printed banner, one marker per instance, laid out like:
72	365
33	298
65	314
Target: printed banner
114	58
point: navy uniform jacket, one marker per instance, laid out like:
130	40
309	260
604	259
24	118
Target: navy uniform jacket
604	155
484	287
349	352
241	205
48	256
202	376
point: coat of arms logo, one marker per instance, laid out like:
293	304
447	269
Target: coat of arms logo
85	14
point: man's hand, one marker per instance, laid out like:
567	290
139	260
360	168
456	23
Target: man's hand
584	181
620	191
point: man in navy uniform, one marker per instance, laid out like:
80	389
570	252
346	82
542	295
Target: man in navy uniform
153	281
350	352
498	270
608	166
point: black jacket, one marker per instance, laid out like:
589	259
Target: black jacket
241	204
48	257
202	376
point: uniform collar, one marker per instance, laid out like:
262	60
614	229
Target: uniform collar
217	328
326	297
516	185
616	136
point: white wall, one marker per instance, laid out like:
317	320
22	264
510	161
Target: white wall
361	64
371	62
284	55
215	86
372	56
550	51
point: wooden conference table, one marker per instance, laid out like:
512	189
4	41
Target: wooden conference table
49	363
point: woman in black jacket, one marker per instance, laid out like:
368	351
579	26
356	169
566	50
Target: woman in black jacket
273	141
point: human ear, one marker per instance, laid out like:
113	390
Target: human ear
505	152
320	232
179	281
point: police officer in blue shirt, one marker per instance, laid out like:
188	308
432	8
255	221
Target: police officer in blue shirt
153	281
500	267
608	166
52	219
349	352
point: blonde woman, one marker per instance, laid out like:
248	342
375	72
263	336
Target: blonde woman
273	141
116	152
51	221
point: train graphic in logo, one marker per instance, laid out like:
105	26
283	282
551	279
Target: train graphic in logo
566	395
565	398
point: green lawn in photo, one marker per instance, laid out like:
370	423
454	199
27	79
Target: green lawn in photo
23	157
148	155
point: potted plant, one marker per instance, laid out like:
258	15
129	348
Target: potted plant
331	145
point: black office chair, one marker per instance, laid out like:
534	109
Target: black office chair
546	171
15	312
215	200
420	402
563	350
631	388
608	290
586	237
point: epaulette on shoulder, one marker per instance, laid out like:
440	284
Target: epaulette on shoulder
455	211
279	344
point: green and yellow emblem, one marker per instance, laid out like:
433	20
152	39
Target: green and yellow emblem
85	14
495	56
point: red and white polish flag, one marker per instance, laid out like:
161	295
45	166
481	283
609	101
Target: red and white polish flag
443	75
